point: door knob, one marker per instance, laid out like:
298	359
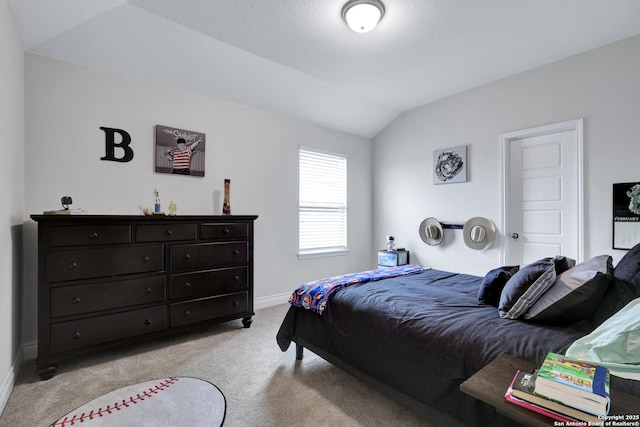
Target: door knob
514	235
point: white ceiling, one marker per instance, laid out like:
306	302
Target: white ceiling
298	58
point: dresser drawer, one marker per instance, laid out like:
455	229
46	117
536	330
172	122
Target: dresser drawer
186	313
207	255
75	235
103	262
165	232
208	283
79	299
224	231
77	334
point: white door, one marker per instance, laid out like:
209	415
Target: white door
543	206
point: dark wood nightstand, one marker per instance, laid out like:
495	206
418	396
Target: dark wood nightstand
490	383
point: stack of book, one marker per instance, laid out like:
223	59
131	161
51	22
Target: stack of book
564	389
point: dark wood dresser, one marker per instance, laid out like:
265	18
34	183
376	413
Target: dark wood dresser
107	280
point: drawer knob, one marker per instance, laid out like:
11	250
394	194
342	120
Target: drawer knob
187	285
93	235
147	291
236	278
187	313
168	232
187	257
145	259
147	322
226	231
75	335
236	303
76	300
73	265
236	252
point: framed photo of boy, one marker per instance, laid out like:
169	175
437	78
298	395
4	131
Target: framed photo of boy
179	151
626	215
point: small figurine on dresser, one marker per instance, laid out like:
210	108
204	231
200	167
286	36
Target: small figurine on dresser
156	206
172	208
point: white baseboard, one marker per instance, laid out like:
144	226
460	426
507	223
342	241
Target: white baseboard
270	301
9	381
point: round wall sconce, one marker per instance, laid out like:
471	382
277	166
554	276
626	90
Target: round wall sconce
362	16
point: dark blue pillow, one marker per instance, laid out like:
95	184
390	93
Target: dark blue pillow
529	283
493	283
624	288
628	269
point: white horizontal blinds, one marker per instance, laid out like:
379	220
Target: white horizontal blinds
323	200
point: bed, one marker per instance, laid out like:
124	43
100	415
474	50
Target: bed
420	335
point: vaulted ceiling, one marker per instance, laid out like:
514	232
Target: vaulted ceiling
298	58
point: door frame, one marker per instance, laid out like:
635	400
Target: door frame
505	178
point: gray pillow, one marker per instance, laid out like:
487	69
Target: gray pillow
575	294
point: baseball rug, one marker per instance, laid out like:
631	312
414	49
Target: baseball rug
174	401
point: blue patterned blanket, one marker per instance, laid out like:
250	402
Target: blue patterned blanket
315	295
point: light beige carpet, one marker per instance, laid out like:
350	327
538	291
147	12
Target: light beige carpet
262	385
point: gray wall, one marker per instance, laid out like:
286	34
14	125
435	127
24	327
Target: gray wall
12	199
600	86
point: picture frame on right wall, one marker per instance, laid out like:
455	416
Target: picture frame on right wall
626	215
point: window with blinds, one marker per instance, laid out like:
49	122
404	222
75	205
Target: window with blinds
322	202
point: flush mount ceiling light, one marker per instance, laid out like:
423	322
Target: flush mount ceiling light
362	16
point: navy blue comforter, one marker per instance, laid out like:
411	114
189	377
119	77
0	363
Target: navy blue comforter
423	335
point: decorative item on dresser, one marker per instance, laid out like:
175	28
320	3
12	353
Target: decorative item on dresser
107	280
226	205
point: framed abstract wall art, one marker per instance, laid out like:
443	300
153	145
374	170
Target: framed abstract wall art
450	165
179	151
626	215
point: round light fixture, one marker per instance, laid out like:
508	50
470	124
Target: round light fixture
362	16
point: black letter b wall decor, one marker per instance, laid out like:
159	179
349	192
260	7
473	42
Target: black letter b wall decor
111	145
